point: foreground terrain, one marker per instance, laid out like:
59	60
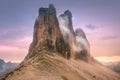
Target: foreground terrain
51	66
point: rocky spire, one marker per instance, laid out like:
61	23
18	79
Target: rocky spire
66	27
47	35
79	46
57	37
65	21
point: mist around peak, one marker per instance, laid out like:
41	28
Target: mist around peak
77	40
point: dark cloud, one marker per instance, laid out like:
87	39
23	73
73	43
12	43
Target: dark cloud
91	26
110	37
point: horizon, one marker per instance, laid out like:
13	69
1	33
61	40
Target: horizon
98	19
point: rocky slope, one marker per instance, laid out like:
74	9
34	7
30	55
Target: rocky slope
50	66
59	53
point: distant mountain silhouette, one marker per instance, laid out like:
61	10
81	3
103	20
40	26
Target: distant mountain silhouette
113	65
6	67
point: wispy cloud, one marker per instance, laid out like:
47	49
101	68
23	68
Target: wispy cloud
110	37
91	26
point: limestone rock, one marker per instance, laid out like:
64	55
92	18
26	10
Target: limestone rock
47	35
54	36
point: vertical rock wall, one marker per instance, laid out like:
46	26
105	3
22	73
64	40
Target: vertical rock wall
47	35
54	36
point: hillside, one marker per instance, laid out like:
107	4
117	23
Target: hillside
50	66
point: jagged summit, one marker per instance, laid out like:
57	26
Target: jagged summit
46	11
65	22
54	36
79	45
47	35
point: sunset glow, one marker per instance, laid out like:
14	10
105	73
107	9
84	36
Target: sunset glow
108	59
100	20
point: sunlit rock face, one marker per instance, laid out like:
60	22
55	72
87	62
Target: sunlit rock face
47	35
54	36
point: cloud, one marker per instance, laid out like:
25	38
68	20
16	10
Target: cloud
108	59
110	37
91	26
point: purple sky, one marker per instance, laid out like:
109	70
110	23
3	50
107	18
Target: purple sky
100	19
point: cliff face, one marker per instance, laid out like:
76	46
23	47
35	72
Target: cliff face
58	35
47	35
54	36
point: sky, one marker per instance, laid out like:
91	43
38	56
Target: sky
100	20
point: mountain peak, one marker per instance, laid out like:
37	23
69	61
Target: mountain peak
47	35
47	11
60	37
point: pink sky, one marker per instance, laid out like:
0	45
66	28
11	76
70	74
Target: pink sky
103	50
16	50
